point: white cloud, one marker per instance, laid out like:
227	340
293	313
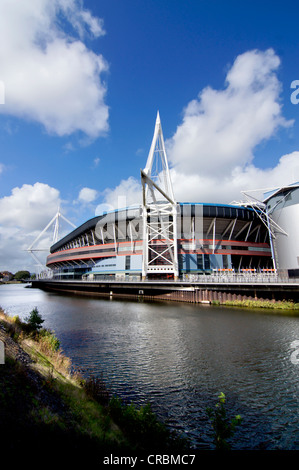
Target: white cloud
211	154
87	195
2	92
95	25
227	188
221	128
50	76
23	215
212	150
96	162
127	193
29	207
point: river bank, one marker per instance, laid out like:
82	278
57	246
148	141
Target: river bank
208	291
179	356
279	305
48	408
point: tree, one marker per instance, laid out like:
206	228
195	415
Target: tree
222	426
22	275
34	320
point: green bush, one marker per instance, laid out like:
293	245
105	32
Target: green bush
142	426
49	340
282	304
96	388
223	427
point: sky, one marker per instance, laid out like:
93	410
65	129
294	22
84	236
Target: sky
81	83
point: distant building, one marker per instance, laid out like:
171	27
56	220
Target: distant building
6	276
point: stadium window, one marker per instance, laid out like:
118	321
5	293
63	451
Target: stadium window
225	261
128	263
199	261
181	261
207	261
213	212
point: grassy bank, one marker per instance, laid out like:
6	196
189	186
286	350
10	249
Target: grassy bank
47	409
267	304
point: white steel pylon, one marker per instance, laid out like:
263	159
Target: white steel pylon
160	255
260	208
55	221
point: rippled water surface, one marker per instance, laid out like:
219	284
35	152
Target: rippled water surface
179	357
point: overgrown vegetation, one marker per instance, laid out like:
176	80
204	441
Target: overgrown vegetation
46	406
283	304
41	343
142	426
96	388
223	427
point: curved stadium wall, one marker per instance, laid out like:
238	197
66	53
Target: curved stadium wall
283	206
211	237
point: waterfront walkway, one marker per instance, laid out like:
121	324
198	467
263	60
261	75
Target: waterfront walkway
194	289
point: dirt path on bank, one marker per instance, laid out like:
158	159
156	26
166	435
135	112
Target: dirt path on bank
13	349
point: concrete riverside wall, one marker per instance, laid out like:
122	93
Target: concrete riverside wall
180	292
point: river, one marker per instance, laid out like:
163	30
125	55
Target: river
179	357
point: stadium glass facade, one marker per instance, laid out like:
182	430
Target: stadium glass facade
164	239
211	238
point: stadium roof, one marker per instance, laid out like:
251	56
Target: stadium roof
274	192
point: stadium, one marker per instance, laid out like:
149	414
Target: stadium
165	239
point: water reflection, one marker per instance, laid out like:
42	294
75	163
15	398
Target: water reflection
179	357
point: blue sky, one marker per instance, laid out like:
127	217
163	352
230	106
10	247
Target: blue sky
83	82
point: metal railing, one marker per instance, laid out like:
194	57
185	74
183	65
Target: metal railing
223	278
241	278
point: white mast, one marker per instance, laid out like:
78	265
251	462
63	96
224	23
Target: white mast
54	220
160	254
